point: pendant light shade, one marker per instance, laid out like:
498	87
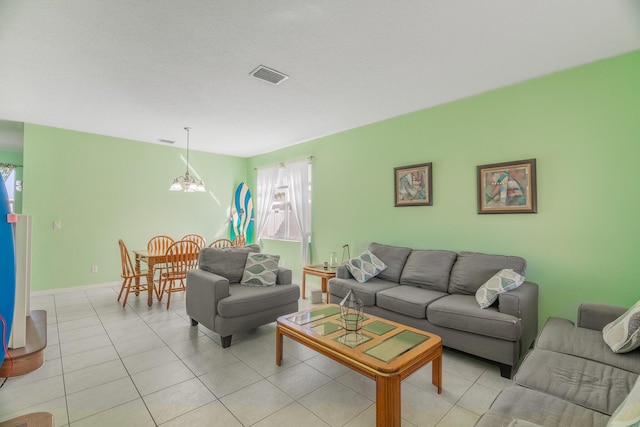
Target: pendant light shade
186	182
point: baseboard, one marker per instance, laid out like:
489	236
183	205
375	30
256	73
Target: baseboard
76	288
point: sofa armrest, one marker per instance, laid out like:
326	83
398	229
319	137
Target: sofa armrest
284	276
522	303
204	290
343	273
596	316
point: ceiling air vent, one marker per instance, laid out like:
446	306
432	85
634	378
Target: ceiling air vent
269	75
167	141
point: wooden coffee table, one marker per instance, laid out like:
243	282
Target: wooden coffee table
385	351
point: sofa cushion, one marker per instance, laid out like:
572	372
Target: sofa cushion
472	269
628	413
365	266
260	270
226	262
560	335
584	382
429	269
365	291
246	300
407	300
623	334
522	423
539	408
503	281
461	312
394	257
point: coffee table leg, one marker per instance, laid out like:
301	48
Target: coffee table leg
436	372
388	407
278	347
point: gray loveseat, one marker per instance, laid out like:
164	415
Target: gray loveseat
216	299
434	290
571	378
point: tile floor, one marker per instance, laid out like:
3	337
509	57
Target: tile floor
146	366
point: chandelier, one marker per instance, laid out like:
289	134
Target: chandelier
187	183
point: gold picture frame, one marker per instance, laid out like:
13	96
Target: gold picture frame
508	187
413	185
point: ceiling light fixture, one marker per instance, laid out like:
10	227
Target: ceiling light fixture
187	183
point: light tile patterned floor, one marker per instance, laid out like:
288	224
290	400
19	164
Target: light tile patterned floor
146	366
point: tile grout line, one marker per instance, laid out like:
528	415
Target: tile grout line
64	385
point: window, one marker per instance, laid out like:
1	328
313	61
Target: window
281	221
10	185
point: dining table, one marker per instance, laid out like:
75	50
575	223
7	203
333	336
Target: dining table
151	259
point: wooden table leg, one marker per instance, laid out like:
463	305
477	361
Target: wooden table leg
436	371
137	279
278	347
388	406
325	288
304	282
150	284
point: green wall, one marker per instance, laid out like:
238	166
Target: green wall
582	126
103	189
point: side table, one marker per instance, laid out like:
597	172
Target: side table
319	271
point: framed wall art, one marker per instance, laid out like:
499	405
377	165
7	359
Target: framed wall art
412	185
507	187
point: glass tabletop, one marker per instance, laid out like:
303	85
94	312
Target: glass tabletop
396	345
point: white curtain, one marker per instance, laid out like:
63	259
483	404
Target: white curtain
298	177
267	180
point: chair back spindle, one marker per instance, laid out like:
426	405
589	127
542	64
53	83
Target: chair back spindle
221	243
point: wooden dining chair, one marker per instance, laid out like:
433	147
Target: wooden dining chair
182	256
221	243
131	280
198	239
240	240
159	244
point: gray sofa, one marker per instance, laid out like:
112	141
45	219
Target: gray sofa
434	290
571	378
216	299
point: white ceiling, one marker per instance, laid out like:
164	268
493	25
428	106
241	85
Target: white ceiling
144	69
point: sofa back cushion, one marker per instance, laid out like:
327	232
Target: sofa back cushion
226	262
472	269
394	258
429	269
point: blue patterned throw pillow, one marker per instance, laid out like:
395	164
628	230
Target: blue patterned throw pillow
260	270
365	266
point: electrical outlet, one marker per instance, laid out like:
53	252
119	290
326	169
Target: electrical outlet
94	268
57	225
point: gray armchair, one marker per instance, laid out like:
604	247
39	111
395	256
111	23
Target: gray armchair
216	299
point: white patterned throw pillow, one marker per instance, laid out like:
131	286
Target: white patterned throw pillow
260	270
501	282
623	334
365	266
628	413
